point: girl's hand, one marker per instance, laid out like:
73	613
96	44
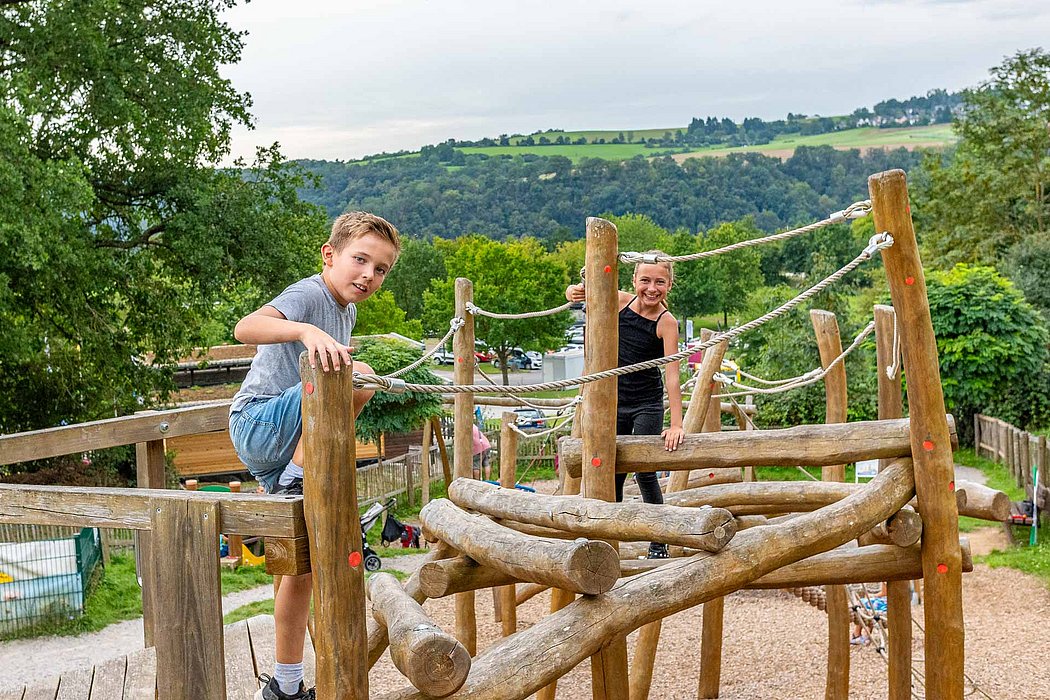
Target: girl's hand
333	354
672	438
575	292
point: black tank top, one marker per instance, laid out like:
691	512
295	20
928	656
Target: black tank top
638	343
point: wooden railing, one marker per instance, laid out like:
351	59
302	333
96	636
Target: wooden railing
1020	451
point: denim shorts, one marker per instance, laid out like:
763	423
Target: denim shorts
265	433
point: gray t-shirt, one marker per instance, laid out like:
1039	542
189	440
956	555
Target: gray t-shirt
276	366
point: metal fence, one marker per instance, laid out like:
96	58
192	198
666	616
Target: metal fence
44	580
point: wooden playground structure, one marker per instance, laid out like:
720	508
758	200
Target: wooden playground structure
726	531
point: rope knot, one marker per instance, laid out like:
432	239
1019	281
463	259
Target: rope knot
876	243
471	308
456	323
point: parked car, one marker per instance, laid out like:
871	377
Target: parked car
520	359
536	357
483	356
530	418
574	337
443	358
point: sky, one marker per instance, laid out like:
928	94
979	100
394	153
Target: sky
341	79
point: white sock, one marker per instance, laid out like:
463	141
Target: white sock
292	471
288	677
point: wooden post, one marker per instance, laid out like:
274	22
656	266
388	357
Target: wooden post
424	470
188	609
931	448
235	542
329	491
446	466
977	434
463	441
570	486
508	464
898	593
601	343
149	472
829	343
409	485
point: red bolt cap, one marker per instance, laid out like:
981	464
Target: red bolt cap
355	559
909	280
309	388
596	462
927	445
942	568
608	268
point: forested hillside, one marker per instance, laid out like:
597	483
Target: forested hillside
549	198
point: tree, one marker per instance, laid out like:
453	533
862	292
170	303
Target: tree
513	276
637	233
118	237
991	343
727	279
420	261
380	314
993	191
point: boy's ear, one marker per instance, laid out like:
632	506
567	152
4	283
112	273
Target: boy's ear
327	252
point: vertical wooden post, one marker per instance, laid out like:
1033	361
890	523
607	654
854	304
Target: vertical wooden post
188	614
700	403
898	593
439	437
463	441
570	486
601	342
930	444
410	486
235	542
977	434
149	473
424	470
508	468
829	343
329	492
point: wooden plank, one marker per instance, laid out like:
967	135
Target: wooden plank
188	630
329	486
609	679
109	679
806	445
241	683
150	474
75	684
13	693
930	439
43	689
287	556
140	681
113	432
242	514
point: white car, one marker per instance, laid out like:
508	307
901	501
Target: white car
536	358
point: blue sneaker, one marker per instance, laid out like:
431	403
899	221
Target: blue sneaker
272	691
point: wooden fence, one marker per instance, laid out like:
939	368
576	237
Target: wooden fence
1019	450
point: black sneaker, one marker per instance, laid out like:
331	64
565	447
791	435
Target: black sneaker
295	488
657	551
272	691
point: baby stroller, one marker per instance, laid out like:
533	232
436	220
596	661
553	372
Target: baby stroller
394	530
368	521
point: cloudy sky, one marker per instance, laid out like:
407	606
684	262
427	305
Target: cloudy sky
339	79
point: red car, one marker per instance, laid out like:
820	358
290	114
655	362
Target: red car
482	356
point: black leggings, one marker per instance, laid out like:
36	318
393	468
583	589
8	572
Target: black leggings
640	420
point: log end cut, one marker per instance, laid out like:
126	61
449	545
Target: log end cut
594	565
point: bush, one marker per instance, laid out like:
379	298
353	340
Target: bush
388	412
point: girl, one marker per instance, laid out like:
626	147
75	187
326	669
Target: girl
647	332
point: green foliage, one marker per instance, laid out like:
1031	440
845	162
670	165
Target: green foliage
514	276
1028	265
420	261
118	240
726	280
381	314
387	412
637	233
991	343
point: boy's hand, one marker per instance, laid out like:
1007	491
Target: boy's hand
575	292
672	438
333	354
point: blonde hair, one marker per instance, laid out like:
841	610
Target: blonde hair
667	264
354	224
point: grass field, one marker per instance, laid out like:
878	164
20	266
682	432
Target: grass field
607	151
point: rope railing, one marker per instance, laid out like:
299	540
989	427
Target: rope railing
857	210
454	325
811	377
877	242
478	311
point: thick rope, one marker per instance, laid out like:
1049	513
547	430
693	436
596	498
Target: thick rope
453	325
878	242
543	433
857	210
478	311
810	377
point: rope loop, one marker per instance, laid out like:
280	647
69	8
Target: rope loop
880	241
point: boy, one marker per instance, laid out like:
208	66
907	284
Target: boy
315	314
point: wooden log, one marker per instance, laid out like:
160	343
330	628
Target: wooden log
439	437
445	577
424	469
377	635
805	445
583	566
517	666
511	402
188	631
700	402
431	660
598	439
463	347
329	484
709	529
983	502
930	438
508	477
287	556
527	591
697	478
903	530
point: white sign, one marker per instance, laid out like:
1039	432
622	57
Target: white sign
867	469
688	329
